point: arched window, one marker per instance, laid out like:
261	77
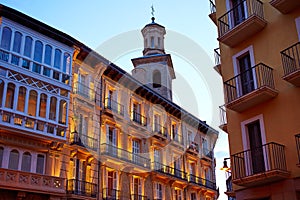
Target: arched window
21	99
28	46
57	58
9	103
63	112
48	54
156	79
152	42
1	91
32	103
13	162
6	38
43	105
52	114
40	163
17	42
38	51
1	155
26	162
67	63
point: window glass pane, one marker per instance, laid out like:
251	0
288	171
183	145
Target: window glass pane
63	112
156	79
26	162
6	38
38	51
1	155
40	162
17	42
1	91
43	105
32	103
28	46
52	108
57	58
9	103
21	99
13	162
48	54
67	63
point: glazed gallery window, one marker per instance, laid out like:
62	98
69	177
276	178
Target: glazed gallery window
1	91
28	46
32	103
17	42
40	162
1	155
13	162
43	105
21	99
48	55
6	38
9	103
52	115
26	162
57	58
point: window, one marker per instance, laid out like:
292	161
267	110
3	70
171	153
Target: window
38	51
52	114
28	46
67	63
26	162
40	163
137	112
156	79
111	136
136	148
136	187
48	54
190	137
21	99
158	191
152	42
57	58
193	196
1	91
239	11
112	184
9	103
17	42
247	80
13	162
32	104
157	123
158	41
43	105
6	38
157	155
1	155
63	106
173	130
178	194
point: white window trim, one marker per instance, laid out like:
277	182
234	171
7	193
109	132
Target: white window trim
297	21
237	69
245	138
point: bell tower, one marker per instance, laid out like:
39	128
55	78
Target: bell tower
155	68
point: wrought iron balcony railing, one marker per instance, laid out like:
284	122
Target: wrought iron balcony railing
161	130
297	137
212	6
137	159
138	118
114	106
238	14
138	197
111	194
266	158
193	147
249	80
81	188
171	171
291	59
202	182
84	91
83	140
208	153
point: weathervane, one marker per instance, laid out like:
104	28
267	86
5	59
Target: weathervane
152	10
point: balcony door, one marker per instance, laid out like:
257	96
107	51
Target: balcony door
137	112
256	149
136	188
112	184
112	140
239	11
136	148
246	75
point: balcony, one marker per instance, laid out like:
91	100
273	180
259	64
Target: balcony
285	6
291	64
125	156
223	118
264	164
81	188
208	153
201	182
193	148
31	182
170	171
160	131
241	22
250	88
83	141
111	194
138	118
36	125
138	197
297	137
84	91
113	106
217	55
212	14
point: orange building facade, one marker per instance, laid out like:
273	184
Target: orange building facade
259	61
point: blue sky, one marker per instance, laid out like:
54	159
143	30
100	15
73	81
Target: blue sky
99	24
